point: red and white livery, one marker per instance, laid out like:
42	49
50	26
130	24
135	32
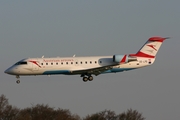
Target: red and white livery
86	67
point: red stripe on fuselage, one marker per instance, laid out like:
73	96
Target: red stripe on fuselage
35	62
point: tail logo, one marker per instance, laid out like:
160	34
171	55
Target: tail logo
153	47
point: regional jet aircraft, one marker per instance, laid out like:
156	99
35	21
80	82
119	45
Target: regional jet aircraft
88	66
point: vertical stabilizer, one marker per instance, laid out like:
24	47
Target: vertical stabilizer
150	48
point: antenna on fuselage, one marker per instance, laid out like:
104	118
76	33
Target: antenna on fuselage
42	56
74	55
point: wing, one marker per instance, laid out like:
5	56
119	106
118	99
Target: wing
94	71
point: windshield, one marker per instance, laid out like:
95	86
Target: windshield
21	63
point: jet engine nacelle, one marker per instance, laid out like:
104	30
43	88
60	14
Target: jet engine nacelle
123	58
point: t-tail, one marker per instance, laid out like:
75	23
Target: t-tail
150	48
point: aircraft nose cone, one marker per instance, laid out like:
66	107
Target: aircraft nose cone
6	71
9	71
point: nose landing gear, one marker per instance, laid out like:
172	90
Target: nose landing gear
18	79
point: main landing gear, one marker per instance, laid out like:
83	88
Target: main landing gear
18	79
89	78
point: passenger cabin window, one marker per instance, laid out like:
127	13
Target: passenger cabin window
90	62
71	62
66	62
56	63
86	62
21	63
51	63
95	62
41	63
76	62
81	62
46	63
62	63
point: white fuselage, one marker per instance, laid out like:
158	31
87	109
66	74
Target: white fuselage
73	65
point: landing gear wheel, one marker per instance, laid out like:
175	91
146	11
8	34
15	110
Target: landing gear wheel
90	78
85	79
18	77
18	81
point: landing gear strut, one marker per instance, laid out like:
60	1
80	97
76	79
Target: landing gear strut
18	79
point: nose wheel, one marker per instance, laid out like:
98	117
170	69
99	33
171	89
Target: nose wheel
17	81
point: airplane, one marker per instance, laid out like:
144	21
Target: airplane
88	66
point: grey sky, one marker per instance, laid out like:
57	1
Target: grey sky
85	28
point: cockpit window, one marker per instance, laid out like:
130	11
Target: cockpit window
21	63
